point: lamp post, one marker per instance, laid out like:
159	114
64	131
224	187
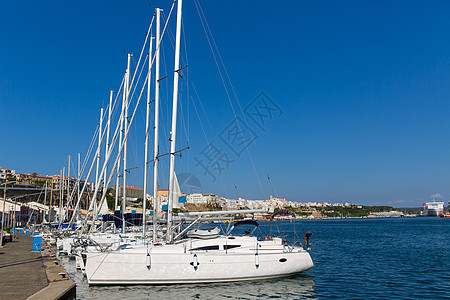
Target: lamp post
3	212
14	218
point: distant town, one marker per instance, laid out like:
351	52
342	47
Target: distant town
29	187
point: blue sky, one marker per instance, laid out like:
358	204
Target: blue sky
362	91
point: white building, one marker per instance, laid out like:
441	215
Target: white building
4	173
9	206
197	199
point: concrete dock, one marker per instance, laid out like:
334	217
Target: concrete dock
32	275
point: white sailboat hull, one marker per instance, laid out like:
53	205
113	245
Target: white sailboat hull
114	269
270	261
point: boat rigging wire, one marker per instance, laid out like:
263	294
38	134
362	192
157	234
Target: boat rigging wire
130	122
203	22
93	161
216	163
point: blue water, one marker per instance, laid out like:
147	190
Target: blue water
389	258
394	258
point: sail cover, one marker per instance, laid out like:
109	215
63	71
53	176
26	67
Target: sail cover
176	192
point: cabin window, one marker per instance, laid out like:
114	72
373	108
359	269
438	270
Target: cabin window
227	247
283	260
206	248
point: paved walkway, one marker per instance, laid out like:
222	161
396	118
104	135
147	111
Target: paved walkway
21	271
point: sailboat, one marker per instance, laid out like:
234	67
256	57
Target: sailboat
182	259
225	258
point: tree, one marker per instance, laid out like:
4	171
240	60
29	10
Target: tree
111	201
39	183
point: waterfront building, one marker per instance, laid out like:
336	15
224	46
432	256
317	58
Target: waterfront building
163	199
33	179
132	192
387	214
10	208
196	198
6	173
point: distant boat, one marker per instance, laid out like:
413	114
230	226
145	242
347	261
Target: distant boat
433	209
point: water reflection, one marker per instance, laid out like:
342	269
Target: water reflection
285	288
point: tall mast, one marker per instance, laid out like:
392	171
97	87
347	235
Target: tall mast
97	179
68	178
108	127
144	200
124	94
156	147
68	192
174	124
79	179
61	188
99	143
45	202
51	202
127	91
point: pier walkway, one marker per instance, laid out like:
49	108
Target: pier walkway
32	275
21	271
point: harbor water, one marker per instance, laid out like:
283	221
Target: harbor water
354	258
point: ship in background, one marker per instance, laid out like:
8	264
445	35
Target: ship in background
433	209
447	215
